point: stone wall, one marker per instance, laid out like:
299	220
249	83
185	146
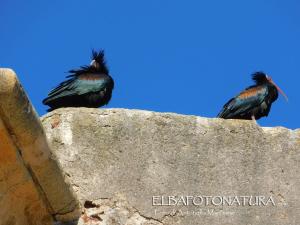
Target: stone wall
33	190
123	163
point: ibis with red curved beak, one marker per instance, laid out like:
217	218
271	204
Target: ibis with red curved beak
255	101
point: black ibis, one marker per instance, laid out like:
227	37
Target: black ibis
90	86
255	101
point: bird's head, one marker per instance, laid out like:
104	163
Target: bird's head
262	78
98	61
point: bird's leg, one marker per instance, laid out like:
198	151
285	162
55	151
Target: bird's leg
253	119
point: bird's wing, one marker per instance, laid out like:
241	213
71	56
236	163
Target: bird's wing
242	103
77	86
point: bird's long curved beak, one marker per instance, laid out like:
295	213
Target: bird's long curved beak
281	92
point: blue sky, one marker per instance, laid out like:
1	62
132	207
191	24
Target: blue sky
186	57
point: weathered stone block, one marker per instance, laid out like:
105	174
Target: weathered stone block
33	189
118	160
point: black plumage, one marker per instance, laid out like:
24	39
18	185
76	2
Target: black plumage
90	86
254	102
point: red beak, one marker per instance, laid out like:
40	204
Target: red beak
284	95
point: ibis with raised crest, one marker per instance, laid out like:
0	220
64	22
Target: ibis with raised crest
90	86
